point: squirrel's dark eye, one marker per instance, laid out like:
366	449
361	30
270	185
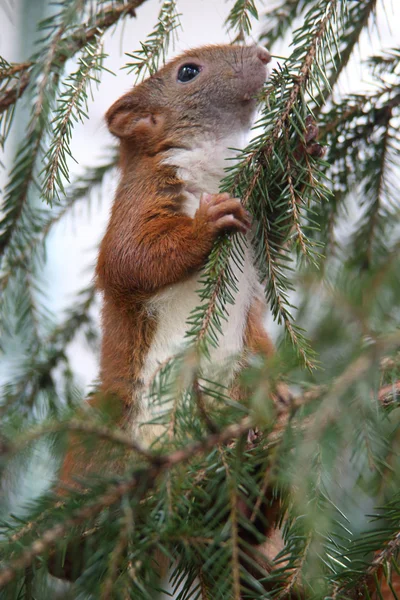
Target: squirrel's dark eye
188	72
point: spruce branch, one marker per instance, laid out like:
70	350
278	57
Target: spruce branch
60	50
72	105
11	95
295	209
218	286
8	74
304	72
114	494
369	232
383	557
370	580
343	414
80	189
103	432
22	221
127	526
160	463
234	537
21	393
361	130
8	71
357	20
239	18
296	573
51	536
280	19
17	189
154	49
73	43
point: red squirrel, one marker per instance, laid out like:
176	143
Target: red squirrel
175	130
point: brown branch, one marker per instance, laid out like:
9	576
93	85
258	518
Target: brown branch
116	436
60	51
386	554
374	572
305	71
35	134
14	68
116	492
294	200
68	47
202	407
203	587
11	95
296	573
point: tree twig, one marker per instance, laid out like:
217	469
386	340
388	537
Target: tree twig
68	47
116	492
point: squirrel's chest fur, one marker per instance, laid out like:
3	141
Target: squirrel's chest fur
202	170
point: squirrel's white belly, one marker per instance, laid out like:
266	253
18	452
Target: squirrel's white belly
172	308
202	169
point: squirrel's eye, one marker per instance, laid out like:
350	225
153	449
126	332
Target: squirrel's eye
188	72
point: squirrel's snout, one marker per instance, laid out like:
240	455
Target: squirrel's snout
263	55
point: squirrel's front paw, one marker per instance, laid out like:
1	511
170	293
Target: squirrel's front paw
222	213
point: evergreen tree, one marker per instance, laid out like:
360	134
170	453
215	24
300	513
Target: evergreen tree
326	467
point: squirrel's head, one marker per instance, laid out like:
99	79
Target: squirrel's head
210	90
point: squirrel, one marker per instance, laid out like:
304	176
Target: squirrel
176	131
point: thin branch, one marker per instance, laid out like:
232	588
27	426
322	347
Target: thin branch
117	554
345	54
376	117
234	537
70	45
296	573
202	407
369	580
11	95
70	105
374	210
116	436
116	492
78	190
14	68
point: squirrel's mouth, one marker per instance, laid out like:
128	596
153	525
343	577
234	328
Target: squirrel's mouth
248	97
254	94
254	83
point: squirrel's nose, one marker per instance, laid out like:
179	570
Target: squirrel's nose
263	55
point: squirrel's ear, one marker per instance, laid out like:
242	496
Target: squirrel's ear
126	119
